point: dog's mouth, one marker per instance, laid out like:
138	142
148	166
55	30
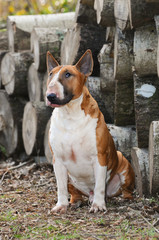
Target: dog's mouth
54	101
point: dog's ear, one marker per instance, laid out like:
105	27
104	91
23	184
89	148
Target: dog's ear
85	64
51	62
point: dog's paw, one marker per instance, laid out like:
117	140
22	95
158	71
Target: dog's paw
59	209
97	207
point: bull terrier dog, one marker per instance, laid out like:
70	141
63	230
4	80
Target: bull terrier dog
85	160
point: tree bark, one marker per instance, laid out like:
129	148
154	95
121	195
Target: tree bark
124	103
35	118
45	85
123	54
3	41
78	40
11	112
157	28
20	27
146	95
85	14
47	150
140	163
134	13
154	157
15	81
105	12
43	40
124	138
107	81
104	101
145	50
35	84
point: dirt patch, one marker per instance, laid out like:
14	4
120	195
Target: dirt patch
27	195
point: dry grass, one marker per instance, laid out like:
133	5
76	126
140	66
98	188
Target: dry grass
27	195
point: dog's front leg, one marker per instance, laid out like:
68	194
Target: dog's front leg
62	182
99	190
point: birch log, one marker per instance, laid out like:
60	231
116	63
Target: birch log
20	27
146	95
154	157
140	163
124	138
35	84
104	101
35	118
123	54
14	70
145	50
134	13
105	12
43	40
78	40
11	112
47	150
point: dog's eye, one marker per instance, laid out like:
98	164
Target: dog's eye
67	75
50	74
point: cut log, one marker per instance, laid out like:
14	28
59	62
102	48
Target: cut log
124	103
15	81
145	50
104	101
124	138
35	84
3	40
110	34
106	59
43	40
2	53
35	118
121	14
85	14
154	157
134	13
47	150
107	81
123	54
105	12
146	95
140	163
20	27
11	112
157	28
78	40
45	85
89	3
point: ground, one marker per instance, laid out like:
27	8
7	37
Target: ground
28	193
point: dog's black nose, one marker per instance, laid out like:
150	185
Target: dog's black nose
51	97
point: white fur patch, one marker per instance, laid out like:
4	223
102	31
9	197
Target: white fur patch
74	133
56	86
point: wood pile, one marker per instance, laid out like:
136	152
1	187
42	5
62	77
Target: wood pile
123	37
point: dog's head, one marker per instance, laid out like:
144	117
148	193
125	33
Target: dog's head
66	82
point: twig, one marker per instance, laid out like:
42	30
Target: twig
13	168
139	213
18	166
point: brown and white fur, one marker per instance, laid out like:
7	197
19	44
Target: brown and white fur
84	156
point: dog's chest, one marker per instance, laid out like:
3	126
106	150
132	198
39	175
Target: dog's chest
73	140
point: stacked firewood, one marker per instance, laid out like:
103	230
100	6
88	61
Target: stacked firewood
123	37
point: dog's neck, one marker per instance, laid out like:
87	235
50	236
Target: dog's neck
72	109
